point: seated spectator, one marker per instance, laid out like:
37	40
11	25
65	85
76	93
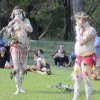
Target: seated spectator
60	57
2	56
41	53
46	68
4	52
42	65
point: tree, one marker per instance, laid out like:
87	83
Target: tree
77	5
67	25
3	17
71	7
60	11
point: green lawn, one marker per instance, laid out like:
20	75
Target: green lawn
36	86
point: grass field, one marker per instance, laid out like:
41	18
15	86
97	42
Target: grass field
36	86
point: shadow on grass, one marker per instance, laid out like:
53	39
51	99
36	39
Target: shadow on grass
47	92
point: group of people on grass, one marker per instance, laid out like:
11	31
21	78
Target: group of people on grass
41	64
85	57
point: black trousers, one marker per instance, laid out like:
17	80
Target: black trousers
61	60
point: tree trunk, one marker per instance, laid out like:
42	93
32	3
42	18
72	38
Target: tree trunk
77	5
67	25
4	16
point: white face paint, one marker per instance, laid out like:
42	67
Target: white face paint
80	21
18	13
19	16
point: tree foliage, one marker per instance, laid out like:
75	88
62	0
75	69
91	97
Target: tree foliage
49	15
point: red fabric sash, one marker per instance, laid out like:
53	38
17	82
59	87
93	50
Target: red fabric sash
89	60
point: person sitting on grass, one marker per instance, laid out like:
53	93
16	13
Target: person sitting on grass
42	65
41	53
2	57
46	67
4	52
60	57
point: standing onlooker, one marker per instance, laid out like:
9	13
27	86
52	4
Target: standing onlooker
85	54
97	47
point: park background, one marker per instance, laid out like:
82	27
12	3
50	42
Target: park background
52	19
53	24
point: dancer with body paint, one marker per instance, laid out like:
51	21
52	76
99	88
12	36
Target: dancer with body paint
18	29
85	55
